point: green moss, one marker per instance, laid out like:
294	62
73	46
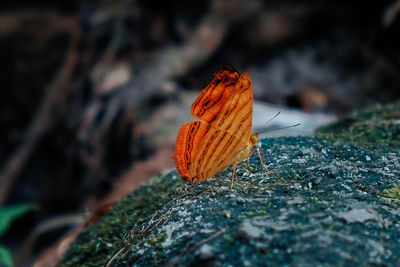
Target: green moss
132	220
393	192
376	127
107	236
229	237
156	240
255	212
332	227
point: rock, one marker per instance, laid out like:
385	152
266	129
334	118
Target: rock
358	215
326	203
249	231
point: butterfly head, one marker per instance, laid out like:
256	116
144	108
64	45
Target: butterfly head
254	139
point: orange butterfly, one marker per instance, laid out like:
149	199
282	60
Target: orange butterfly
223	134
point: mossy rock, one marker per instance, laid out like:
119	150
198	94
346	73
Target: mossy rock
377	127
326	203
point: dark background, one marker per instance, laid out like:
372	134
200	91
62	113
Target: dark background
86	86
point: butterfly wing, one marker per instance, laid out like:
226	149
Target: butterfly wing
194	140
222	136
236	115
204	148
188	143
227	139
213	98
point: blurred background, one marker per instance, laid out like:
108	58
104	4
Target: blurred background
94	92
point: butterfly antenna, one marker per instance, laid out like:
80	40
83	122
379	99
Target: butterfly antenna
281	128
276	115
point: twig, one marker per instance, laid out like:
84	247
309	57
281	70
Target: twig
114	257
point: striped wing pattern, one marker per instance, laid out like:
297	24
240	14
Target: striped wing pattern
222	137
213	98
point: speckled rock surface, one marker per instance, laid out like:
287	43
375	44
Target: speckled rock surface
327	203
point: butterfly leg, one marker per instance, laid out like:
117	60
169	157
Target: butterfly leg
248	160
233	174
256	149
261	160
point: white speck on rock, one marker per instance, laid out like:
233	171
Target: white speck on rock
379	248
183	213
206	252
346	186
209	225
206	231
299	161
297	186
367	158
358	215
249	231
169	230
187	202
185	233
247	263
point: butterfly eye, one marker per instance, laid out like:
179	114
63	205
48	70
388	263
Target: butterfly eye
254	139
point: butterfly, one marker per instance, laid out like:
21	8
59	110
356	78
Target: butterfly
223	135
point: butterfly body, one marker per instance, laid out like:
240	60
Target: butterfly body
222	136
